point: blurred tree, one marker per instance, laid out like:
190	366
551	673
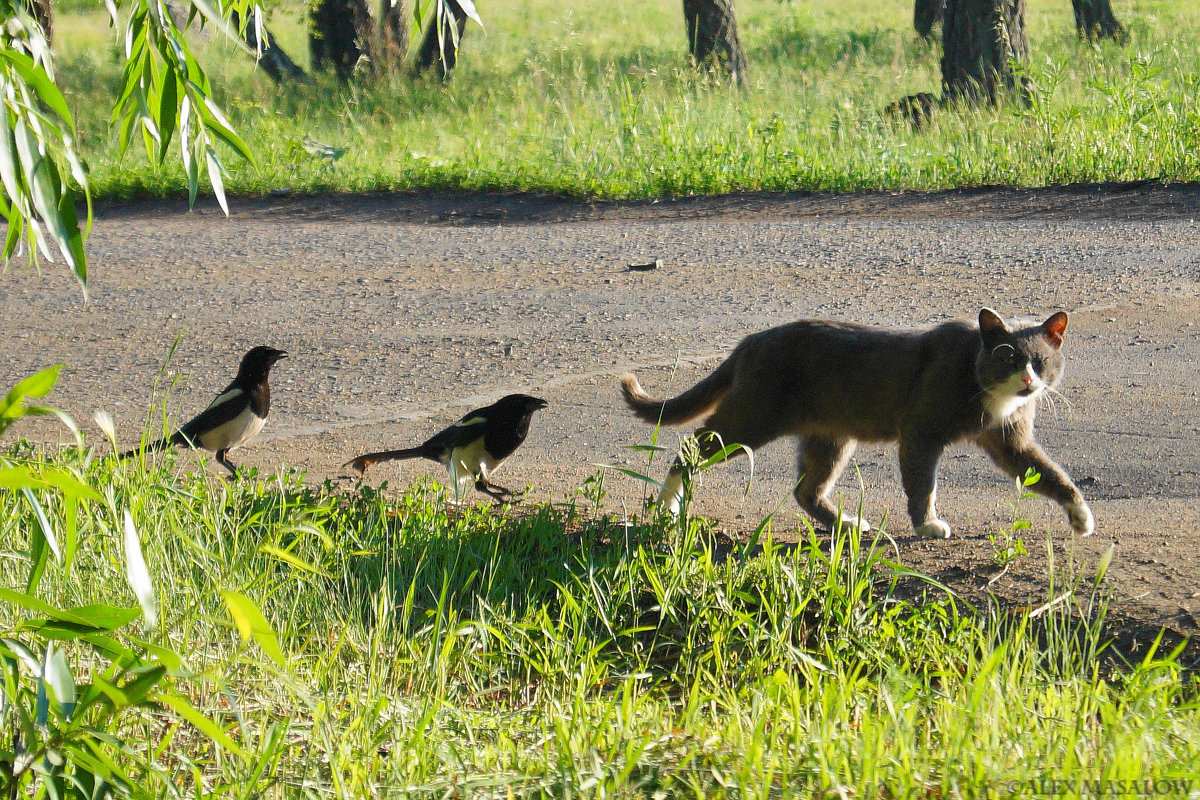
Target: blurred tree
339	34
393	33
443	35
926	14
43	14
713	37
981	40
272	59
1094	19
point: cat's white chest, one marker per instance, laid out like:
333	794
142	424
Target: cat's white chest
999	409
1002	401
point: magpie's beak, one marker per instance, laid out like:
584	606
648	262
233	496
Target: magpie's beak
280	354
541	404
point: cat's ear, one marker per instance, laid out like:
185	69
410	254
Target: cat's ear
1055	327
991	326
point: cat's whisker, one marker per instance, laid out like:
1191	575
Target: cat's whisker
1057	395
1052	396
1010	424
1050	406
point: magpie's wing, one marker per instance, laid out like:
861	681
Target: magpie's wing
227	405
471	427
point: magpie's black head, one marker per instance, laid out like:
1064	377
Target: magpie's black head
520	403
258	362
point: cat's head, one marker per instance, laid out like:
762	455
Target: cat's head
1018	365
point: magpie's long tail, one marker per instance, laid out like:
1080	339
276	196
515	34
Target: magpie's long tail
176	438
362	462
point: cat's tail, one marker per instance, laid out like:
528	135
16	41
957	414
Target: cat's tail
689	405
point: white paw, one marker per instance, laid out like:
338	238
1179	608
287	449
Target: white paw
933	530
672	494
1082	521
855	521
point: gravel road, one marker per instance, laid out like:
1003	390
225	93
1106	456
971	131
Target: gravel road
403	312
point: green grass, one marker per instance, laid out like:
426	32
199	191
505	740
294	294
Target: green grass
598	100
427	651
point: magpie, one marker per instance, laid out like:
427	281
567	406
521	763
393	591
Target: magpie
234	417
474	447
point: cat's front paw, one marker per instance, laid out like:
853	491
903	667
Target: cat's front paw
937	529
1082	521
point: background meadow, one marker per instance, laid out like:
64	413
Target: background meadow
598	100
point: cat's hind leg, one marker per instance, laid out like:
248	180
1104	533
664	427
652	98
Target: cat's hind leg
821	461
672	492
710	441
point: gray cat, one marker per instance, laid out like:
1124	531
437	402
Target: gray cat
833	384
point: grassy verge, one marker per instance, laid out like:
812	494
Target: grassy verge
597	100
413	649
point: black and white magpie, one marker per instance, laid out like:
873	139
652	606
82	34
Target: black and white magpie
234	417
475	446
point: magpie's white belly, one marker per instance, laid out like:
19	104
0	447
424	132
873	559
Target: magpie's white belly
468	463
233	433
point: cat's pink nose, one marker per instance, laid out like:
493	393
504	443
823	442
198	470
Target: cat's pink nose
1028	379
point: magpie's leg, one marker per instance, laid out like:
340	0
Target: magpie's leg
223	460
499	493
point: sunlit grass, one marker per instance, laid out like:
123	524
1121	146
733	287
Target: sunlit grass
556	651
599	101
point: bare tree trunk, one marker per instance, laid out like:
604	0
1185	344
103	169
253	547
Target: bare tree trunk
1094	19
43	15
339	33
278	65
439	46
392	34
713	36
926	14
980	39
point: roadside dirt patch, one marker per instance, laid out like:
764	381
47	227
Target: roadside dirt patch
402	312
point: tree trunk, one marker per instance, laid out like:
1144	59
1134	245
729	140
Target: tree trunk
926	14
979	40
392	35
43	15
273	60
338	35
1094	19
439	46
713	36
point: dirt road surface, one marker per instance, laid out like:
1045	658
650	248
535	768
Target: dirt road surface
403	312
